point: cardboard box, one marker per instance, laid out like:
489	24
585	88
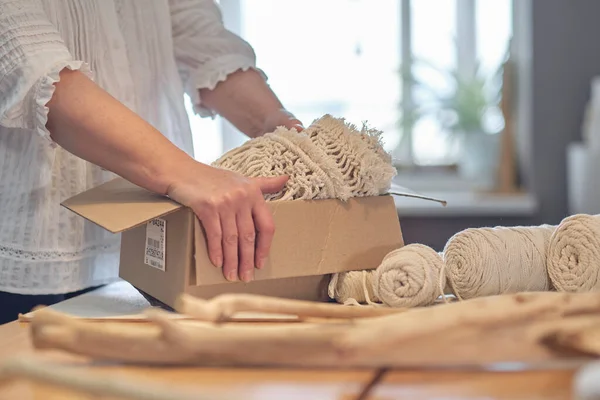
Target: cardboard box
164	252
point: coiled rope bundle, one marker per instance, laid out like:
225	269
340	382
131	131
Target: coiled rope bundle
407	277
490	261
574	254
476	262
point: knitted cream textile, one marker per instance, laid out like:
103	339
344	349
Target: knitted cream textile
329	159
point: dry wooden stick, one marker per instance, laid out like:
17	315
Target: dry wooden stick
416	336
584	340
133	318
170	342
485	312
90	383
224	307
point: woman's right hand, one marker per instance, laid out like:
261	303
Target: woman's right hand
88	122
238	224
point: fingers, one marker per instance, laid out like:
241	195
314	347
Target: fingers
247	236
239	226
294	124
271	185
282	117
265	227
230	245
214	236
231	242
290	121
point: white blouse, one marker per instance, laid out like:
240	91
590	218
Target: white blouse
145	53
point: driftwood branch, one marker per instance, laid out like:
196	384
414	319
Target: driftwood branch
579	340
173	342
36	370
469	332
483	313
224	307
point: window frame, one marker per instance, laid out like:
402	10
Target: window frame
466	58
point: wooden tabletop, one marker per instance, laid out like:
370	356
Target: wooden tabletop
298	384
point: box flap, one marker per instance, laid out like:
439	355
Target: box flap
119	205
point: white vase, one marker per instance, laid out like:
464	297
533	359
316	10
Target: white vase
478	161
583	181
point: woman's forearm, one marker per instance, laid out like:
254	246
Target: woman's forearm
245	100
88	122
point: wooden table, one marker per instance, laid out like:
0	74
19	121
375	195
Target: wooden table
300	384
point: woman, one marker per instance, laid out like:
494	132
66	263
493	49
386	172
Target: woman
62	133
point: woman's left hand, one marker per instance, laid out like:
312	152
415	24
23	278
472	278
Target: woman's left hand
282	117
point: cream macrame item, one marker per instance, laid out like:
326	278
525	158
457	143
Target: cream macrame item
331	159
359	155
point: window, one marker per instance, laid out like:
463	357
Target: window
346	57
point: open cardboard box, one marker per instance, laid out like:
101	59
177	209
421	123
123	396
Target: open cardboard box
164	252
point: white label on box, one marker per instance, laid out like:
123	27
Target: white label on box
156	233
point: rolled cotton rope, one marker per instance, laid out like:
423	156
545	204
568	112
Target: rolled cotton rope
353	288
491	261
407	277
574	254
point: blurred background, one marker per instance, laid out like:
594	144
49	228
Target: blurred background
488	104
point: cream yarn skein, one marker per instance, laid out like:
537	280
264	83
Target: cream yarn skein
353	288
491	261
574	254
407	277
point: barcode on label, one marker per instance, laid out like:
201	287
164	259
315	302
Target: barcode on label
154	243
154	254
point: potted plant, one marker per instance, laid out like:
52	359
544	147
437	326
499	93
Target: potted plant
468	112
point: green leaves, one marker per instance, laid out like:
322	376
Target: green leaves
462	109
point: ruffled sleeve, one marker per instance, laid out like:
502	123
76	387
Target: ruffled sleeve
32	54
205	51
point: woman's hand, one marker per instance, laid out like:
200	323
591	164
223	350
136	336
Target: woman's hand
238	224
281	117
88	122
